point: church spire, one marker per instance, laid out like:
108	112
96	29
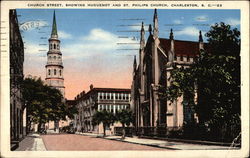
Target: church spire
201	45
155	31
135	64
142	41
200	37
54	28
171	36
150	29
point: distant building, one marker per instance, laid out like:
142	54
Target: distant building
110	99
17	108
68	121
157	58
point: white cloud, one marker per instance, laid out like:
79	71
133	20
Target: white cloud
232	21
201	18
34	58
190	31
99	35
97	42
64	35
137	26
34	48
177	21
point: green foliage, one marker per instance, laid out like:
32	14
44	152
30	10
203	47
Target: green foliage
43	103
215	77
105	117
71	110
223	40
124	116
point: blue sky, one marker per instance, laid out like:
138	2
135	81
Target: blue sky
89	40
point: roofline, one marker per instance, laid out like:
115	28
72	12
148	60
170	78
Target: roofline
111	89
183	40
104	90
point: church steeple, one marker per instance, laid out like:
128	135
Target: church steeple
142	40
150	29
135	64
54	28
54	67
201	44
200	37
156	25
171	36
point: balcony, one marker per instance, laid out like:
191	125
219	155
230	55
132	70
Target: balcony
54	63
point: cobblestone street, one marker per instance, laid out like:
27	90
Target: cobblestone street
71	142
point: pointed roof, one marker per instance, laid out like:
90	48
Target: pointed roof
135	64
54	28
150	29
200	37
155	31
142	40
155	14
187	48
171	36
142	27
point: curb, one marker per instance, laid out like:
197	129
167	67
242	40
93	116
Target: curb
151	145
189	141
44	144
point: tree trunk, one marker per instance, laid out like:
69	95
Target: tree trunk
28	125
39	126
104	130
123	131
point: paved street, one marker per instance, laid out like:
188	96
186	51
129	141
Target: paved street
73	142
90	141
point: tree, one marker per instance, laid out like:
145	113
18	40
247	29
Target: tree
42	102
104	117
215	77
125	117
71	110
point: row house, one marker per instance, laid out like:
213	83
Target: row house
17	108
96	99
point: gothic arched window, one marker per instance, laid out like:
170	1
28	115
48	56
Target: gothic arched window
54	71
49	72
54	46
50	46
60	71
57	46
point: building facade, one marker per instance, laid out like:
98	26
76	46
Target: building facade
157	58
17	108
54	66
96	99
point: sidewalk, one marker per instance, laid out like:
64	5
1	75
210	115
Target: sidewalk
162	143
31	142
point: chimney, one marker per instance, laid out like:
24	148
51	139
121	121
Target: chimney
91	87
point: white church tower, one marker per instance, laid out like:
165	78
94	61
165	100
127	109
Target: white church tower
54	66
